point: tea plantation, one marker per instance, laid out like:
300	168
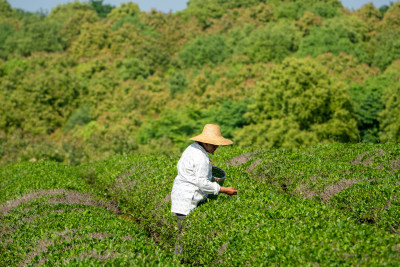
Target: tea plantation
326	205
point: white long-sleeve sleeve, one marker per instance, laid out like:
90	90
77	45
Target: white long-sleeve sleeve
204	179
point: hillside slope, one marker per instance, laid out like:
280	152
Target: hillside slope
324	205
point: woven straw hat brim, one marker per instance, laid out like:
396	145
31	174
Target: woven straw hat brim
214	140
212	135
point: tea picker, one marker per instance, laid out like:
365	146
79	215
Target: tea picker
194	181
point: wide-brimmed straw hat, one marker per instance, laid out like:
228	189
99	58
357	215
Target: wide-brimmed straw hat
212	135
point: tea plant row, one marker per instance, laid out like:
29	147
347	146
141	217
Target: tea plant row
324	205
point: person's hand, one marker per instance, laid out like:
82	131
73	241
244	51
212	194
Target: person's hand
228	190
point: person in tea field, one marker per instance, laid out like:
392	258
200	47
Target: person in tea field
194	180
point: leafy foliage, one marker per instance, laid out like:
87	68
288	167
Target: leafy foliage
132	69
298	105
211	50
388	48
143	72
35	34
127	88
5	31
61	222
389	117
340	199
336	35
272	43
368	104
101	9
80	116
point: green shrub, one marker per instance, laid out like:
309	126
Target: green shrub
272	43
81	116
177	83
101	9
298	105
48	216
335	36
325	204
387	48
368	104
35	34
6	30
210	49
272	220
132	69
389	117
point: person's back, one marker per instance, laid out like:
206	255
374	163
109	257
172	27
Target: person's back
193	182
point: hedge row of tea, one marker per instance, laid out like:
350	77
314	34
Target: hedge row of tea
48	216
324	205
328	205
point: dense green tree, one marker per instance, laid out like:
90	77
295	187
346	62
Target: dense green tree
177	125
209	49
262	12
39	103
272	43
133	68
369	14
206	10
71	17
291	10
35	34
387	43
325	10
129	9
230	116
101	9
177	83
127	40
296	9
298	105
92	39
62	13
6	30
391	18
368	104
387	48
6	12
347	68
307	22
152	79
81	116
335	36
389	118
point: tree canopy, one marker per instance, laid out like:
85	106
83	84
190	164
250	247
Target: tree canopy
298	104
89	79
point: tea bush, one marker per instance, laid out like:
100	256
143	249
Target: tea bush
141	186
48	216
326	204
273	222
75	234
291	208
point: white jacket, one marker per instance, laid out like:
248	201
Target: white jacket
194	180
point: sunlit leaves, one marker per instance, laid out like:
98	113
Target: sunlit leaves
336	35
210	50
390	116
298	105
272	43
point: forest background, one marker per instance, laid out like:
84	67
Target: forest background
89	80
